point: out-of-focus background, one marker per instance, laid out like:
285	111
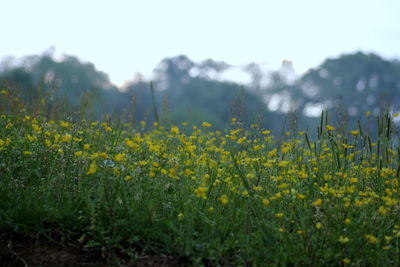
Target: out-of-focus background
270	62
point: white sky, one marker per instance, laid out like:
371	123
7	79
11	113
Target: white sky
125	37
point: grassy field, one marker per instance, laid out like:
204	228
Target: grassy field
232	197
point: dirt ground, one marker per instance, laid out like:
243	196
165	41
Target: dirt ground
15	252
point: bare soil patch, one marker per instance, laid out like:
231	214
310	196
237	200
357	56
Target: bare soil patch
17	251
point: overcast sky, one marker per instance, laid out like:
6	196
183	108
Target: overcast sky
125	37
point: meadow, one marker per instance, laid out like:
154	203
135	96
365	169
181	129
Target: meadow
237	197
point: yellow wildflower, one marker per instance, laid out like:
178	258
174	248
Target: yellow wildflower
241	140
201	192
371	239
317	202
329	128
92	168
224	199
65	124
174	130
265	202
346	261
343	239
119	157
66	138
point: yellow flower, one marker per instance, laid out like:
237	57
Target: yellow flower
279	215
355	133
57	138
103	155
174	130
47	142
257	147
353	180
317	202
224	199
86	146
92	168
128	178
371	239
65	124
258	188
272	153
251	175
329	128
241	140
283	163
300	196
172	173
130	143
31	138
347	146
318	225
300	232
36	128
382	210
78	153
206	124
180	216
265	202
346	261
286	149
201	192
27	153
66	138
117	171
119	157
343	239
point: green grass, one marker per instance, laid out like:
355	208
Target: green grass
238	197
